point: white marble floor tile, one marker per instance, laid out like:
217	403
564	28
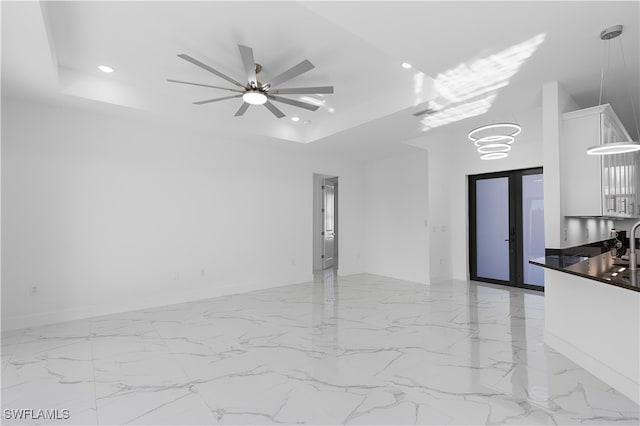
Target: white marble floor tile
53	372
361	349
9	342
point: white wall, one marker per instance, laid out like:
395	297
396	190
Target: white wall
555	101
106	214
396	241
440	250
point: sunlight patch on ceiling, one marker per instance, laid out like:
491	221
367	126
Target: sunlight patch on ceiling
457	112
313	100
469	90
317	100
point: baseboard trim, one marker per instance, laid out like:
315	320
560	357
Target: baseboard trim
623	384
96	310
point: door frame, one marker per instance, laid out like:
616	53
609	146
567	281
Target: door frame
333	184
317	221
516	270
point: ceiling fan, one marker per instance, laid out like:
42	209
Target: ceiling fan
255	92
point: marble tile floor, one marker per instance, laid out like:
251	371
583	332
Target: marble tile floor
360	349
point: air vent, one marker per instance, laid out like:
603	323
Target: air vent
427	111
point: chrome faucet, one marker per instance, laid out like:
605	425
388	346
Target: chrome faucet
633	257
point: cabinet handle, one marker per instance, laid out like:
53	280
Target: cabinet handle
612	204
624	200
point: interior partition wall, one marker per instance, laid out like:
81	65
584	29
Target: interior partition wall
506	227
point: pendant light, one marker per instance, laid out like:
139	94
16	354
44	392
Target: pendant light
614	147
494	140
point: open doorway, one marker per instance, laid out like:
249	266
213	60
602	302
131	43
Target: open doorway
325	222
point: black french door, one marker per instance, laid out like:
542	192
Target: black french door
506	227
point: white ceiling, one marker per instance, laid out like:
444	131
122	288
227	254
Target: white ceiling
51	50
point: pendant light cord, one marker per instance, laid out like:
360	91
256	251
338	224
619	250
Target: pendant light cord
606	94
602	73
633	108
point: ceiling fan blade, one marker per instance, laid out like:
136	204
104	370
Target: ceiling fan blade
294	103
292	72
242	110
208	101
208	68
204	85
249	63
271	107
304	90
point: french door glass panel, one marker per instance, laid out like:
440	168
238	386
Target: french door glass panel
506	224
532	228
492	230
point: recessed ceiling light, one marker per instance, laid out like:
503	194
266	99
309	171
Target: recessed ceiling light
106	69
295	118
331	109
406	65
307	122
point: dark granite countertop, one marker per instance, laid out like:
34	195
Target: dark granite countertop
603	267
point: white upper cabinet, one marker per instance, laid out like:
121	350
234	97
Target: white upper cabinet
597	186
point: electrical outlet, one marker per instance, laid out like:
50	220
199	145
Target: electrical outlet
203	272
33	290
176	276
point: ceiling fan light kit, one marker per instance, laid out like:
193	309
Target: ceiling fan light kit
254	97
256	93
494	140
613	148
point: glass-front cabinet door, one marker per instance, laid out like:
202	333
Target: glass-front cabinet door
619	175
